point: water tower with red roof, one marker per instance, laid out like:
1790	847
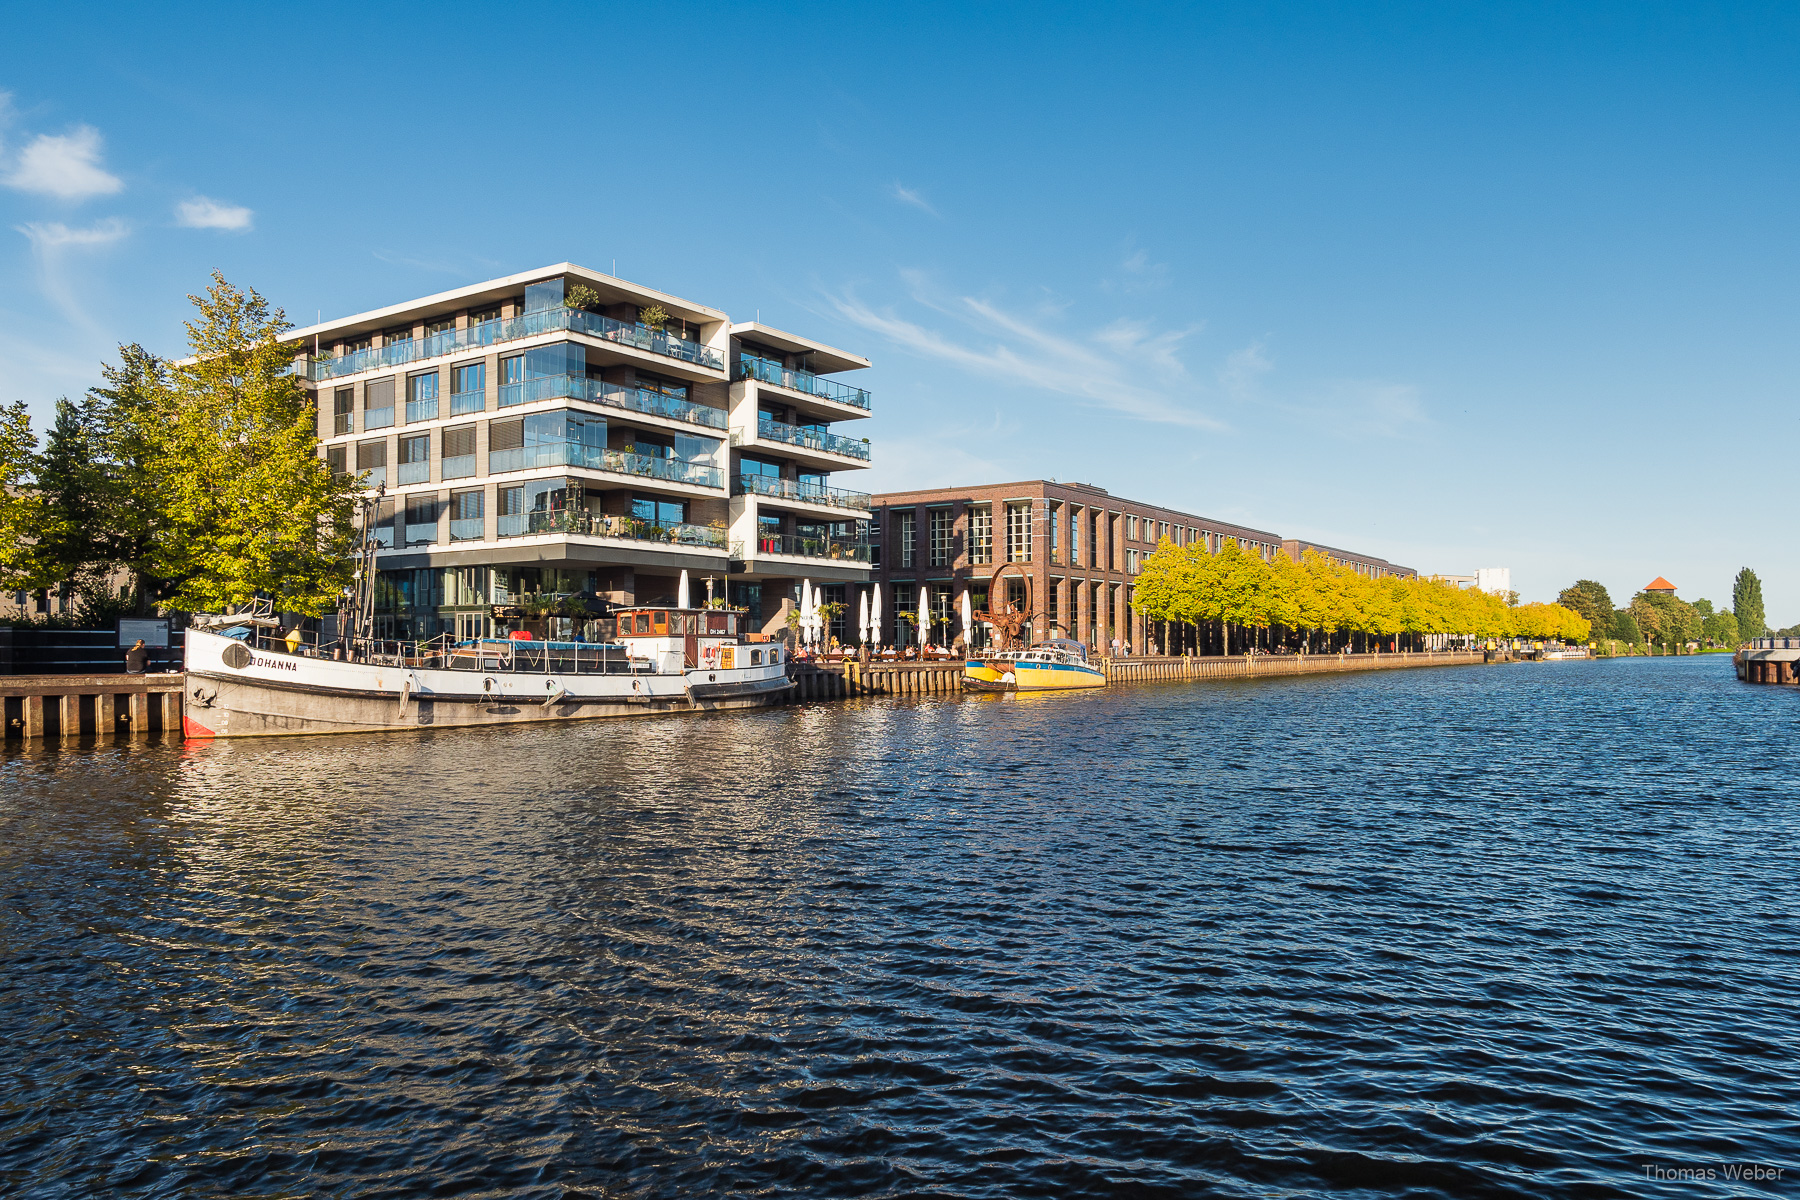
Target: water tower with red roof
1659	584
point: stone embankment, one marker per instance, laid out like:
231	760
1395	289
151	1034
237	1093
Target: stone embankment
834	682
55	707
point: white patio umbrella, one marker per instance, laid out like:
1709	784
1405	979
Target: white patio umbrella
681	592
806	611
924	615
862	616
875	617
968	620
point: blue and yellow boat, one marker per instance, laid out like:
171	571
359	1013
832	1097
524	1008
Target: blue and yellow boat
1057	663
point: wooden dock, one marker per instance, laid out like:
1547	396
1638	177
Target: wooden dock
835	681
66	707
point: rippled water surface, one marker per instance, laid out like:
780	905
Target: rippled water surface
1522	930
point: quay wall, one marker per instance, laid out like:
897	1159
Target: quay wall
916	679
56	707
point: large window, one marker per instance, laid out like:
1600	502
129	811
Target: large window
981	533
422	397
1131	562
371	459
906	532
466	516
343	411
378	404
336	459
659	511
1131	529
415	459
536	505
942	542
1074	537
468	388
906	604
1055	533
552	439
459	452
1018	531
421	519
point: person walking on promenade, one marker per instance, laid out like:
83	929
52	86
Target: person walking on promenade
137	659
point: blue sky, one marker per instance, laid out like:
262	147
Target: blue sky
1460	288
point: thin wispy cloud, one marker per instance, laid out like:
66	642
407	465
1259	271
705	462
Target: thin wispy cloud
52	244
1137	273
50	236
202	213
1124	368
66	166
906	195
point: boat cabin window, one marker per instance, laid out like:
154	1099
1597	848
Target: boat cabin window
756	658
643	623
661	622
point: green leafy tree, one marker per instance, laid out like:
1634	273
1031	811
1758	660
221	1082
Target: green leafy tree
1590	600
21	508
250	507
131	416
1665	619
1721	629
1747	604
1625	627
1704	608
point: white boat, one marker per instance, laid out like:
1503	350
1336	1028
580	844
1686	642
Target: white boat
245	681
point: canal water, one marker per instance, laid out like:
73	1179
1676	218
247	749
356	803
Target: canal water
1508	931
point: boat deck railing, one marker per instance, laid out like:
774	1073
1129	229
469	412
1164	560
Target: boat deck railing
444	653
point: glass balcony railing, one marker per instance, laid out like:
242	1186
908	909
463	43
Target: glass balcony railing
467	402
598	458
812	439
838	549
469	530
808	493
413	472
585	524
459	466
378	418
493	333
421	410
577	387
419	535
764	371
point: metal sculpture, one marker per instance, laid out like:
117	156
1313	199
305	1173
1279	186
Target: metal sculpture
1008	619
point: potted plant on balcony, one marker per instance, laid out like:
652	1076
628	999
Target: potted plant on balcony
582	297
653	317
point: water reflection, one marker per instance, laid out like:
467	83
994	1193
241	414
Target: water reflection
1459	932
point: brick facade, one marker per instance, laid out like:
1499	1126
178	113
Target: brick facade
1080	546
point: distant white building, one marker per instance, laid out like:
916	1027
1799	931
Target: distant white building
1496	581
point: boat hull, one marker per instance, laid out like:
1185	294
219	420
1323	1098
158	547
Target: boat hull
244	693
1004	676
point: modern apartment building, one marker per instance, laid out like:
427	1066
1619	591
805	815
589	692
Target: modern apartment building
1081	546
562	432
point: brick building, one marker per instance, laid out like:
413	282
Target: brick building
1081	547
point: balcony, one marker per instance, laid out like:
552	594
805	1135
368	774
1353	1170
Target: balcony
585	524
836	549
812	439
577	387
467	402
598	458
805	493
494	333
765	371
